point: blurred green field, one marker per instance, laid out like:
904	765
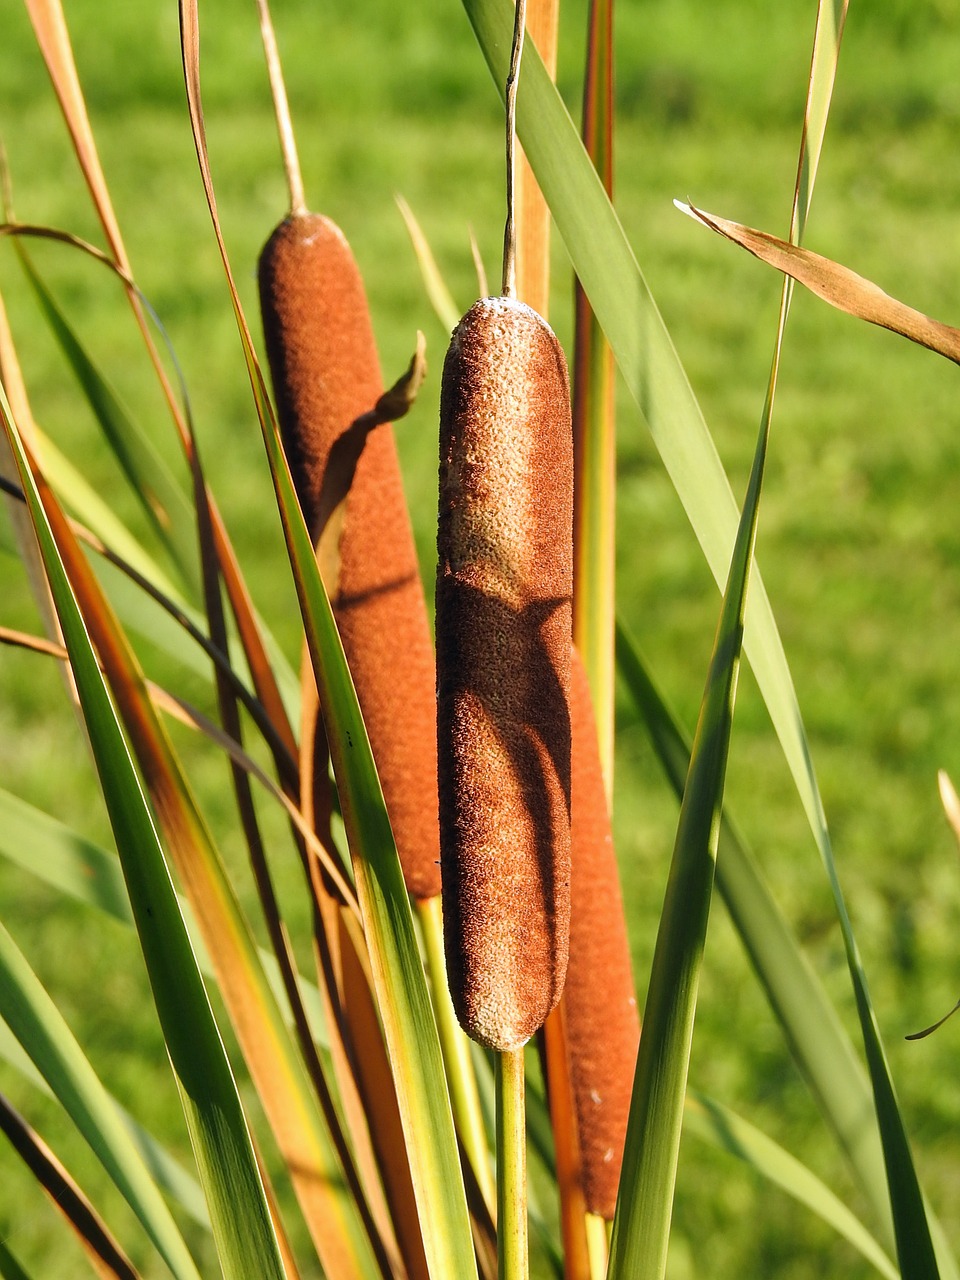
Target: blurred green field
860	527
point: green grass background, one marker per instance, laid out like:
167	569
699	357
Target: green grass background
860	528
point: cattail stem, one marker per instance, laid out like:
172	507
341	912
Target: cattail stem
509	285
598	1245
461	1077
281	108
512	1257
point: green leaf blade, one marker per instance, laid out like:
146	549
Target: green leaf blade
218	1130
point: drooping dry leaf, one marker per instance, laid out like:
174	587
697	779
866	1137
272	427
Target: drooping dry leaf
836	284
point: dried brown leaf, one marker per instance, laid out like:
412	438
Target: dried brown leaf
837	284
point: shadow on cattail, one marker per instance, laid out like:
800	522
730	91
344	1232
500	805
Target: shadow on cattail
505	812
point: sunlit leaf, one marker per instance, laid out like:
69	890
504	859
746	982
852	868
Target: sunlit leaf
837	284
215	1120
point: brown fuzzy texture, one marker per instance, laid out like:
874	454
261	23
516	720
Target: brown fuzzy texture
603	1025
326	374
504	585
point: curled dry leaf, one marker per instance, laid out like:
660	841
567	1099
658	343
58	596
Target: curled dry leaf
836	284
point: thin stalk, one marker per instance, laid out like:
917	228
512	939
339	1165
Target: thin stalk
512	1254
461	1077
281	109
594	423
509	285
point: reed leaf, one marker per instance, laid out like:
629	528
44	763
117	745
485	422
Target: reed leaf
716	1124
837	284
821	1047
170	1176
594	422
161	496
88	873
10	1268
98	1242
274	1065
215	1120
641	1227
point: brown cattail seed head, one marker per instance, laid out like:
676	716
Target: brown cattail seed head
504	586
326	375
603	1026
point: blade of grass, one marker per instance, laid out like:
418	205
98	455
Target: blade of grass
716	1124
68	862
105	1252
447	311
161	496
11	375
274	680
461	1075
10	1268
211	1105
820	1045
79	495
409	1026
915	1249
277	1071
641	1226
170	1176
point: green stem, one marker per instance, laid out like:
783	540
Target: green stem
461	1077
512	1262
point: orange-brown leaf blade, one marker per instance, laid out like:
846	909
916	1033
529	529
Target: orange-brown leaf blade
838	285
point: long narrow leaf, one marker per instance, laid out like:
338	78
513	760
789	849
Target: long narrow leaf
160	495
721	1127
170	1176
10	1268
837	284
820	1045
641	1227
104	1250
594	422
69	862
215	1120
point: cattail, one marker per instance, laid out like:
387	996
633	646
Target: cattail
603	1026
504	585
326	378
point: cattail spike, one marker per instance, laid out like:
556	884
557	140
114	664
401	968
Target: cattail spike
503	648
602	1022
327	383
